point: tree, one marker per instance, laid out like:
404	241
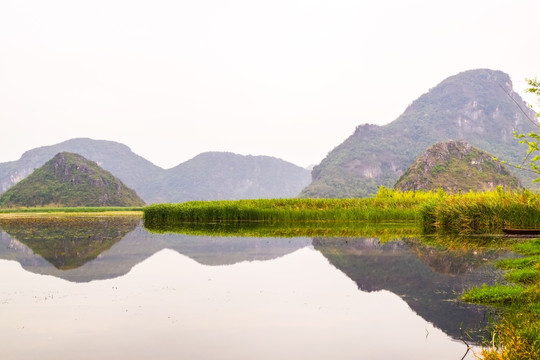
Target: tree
533	138
534	88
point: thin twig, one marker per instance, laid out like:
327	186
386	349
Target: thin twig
535	123
462	339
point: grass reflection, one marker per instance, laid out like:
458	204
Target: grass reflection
383	231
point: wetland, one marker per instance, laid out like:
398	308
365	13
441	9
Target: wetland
107	287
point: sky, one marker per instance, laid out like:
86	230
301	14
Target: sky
284	78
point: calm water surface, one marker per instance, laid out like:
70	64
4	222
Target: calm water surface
110	290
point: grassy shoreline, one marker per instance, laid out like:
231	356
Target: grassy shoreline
94	209
517	334
382	207
6	214
434	211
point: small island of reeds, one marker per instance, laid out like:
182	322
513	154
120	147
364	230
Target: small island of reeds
434	211
517	302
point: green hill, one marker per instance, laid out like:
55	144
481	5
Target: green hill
478	106
453	166
70	180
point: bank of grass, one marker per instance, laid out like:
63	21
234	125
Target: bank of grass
434	211
517	334
387	205
480	212
69	211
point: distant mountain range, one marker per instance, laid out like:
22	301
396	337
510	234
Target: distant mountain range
70	180
222	175
478	106
208	176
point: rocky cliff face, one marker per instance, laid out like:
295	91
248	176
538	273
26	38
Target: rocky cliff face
478	106
70	180
455	166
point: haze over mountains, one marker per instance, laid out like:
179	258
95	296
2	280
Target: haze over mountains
478	106
208	176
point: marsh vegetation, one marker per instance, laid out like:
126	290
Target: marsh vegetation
446	217
434	211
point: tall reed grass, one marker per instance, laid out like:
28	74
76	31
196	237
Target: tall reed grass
387	205
435	211
482	212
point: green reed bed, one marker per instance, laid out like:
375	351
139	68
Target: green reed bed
482	212
375	209
435	211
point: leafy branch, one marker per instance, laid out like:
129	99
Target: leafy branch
532	138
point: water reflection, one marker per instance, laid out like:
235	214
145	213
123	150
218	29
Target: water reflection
292	292
67	242
170	307
94	251
427	278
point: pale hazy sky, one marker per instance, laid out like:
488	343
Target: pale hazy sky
285	78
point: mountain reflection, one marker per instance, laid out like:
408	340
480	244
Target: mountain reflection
111	247
69	242
427	278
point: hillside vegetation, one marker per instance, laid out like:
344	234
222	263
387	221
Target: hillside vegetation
70	180
456	166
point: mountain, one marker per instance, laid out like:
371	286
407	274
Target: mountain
130	168
214	175
454	166
478	106
70	180
228	176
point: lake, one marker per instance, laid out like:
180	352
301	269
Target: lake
107	288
